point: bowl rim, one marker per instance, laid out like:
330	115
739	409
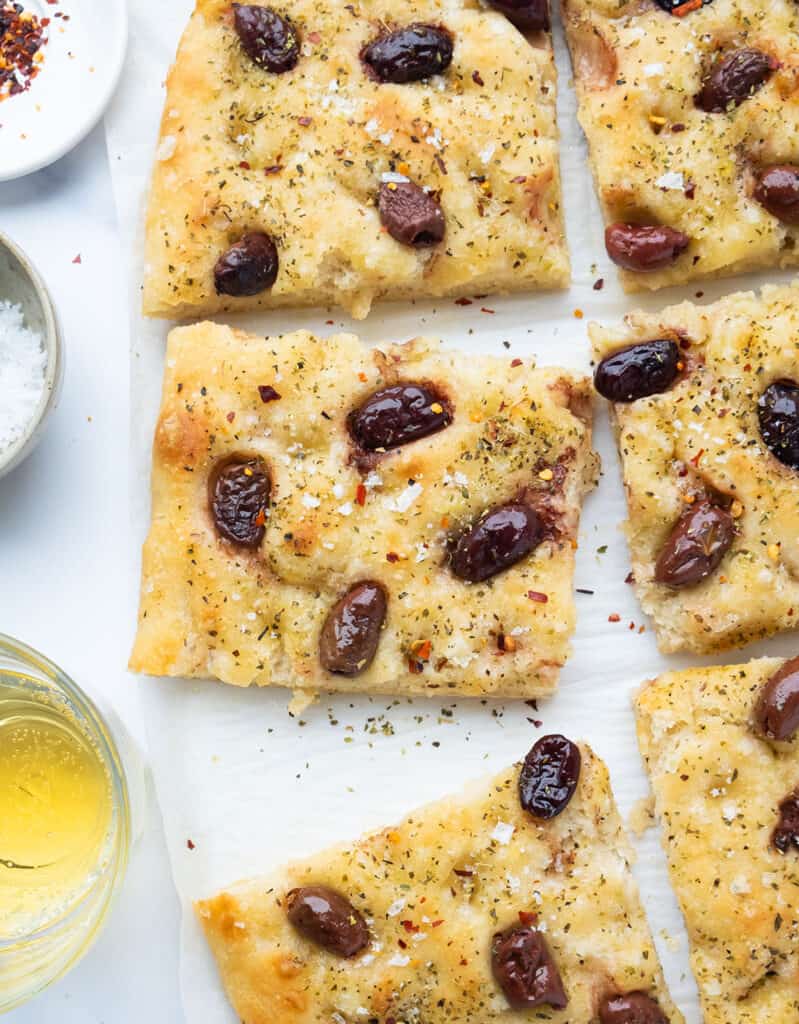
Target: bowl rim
54	372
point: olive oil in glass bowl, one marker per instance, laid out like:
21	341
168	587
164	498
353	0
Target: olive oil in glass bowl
64	822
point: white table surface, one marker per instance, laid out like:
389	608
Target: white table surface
64	551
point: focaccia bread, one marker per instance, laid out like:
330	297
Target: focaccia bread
360	179
727	794
470	910
331	517
691	111
706	409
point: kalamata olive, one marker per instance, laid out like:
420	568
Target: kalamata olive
786	834
247	268
733	79
328	919
777	189
777	710
409	214
267	38
526	15
500	538
409	54
637	371
525	970
693	550
238	494
631	1008
778	413
644	247
549	776
398	415
351	632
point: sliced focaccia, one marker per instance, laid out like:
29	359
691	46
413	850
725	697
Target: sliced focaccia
512	902
706	408
332	517
691	110
720	747
339	153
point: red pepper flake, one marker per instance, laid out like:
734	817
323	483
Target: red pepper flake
402	943
260	519
305	121
392	557
273	169
477	78
441	165
421	649
464	873
268	393
22	36
695	460
230	417
463	301
679	127
190	844
409	927
686	8
485	309
515	362
314	37
244	165
629	578
615	617
360	495
77	259
599	284
519	179
528	918
536	595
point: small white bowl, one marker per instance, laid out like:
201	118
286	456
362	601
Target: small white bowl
21	284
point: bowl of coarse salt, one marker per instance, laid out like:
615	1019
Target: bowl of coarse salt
31	356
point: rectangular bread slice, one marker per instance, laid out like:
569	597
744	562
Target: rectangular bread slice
718	785
246	600
302	155
434	892
660	157
703	439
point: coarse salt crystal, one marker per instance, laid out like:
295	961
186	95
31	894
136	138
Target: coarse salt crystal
503	833
23	366
671	180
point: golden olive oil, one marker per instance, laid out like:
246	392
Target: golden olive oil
56	808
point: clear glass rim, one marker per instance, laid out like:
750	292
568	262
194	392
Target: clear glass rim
101	734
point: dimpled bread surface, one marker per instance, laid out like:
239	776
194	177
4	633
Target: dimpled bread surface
434	891
659	159
717	788
209	608
703	434
301	156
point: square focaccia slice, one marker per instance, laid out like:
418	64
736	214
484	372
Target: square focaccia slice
691	111
331	517
332	152
720	747
706	409
513	901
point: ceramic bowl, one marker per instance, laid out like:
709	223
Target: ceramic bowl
21	284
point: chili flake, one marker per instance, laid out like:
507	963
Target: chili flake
22	36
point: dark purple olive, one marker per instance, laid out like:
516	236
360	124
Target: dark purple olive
398	415
328	919
631	1008
500	538
526	15
644	247
638	371
409	214
525	970
786	834
238	495
351	632
247	268
409	54
777	711
549	776
696	545
733	79
778	414
268	39
777	189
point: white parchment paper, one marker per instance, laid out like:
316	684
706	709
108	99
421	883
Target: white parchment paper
251	787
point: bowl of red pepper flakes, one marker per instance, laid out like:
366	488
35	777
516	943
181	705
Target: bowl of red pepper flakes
23	36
